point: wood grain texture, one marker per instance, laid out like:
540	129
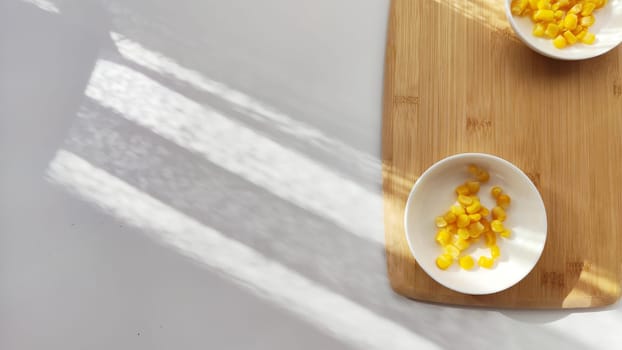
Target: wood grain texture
458	80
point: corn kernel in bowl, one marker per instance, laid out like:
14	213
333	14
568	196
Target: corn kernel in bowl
471	221
578	32
565	22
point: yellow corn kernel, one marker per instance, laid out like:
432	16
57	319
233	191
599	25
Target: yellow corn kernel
491	238
555	7
450	217
483	176
463	221
457	210
486	224
576	9
473	186
473	208
474	235
463	233
506	233
588	8
495	252
588	38
442	237
601	3
570	21
452	228
577	30
587	20
474	198
544	15
484	211
551	30
440	222
518	6
462	189
504	200
466	262
559	14
497	226
451	250
461	244
570	38
533	4
444	261
563	3
544	4
473	169
498	213
485	262
476	228
581	35
465	200
475	217
538	29
495	191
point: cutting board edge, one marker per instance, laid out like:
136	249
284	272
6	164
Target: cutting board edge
583	303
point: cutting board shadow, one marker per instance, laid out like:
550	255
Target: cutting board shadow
458	80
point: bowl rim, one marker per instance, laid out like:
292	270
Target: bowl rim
519	34
479	155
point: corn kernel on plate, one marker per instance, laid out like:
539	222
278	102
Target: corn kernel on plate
567	29
475	223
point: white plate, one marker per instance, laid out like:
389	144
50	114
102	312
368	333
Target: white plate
433	194
607	28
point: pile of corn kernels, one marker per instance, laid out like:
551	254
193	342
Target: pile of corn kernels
565	21
466	222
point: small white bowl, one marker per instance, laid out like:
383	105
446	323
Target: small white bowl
433	194
608	31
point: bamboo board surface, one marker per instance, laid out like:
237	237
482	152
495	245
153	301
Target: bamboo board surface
458	80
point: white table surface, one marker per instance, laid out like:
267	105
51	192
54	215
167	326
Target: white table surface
205	174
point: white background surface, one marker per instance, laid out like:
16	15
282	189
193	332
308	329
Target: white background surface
205	174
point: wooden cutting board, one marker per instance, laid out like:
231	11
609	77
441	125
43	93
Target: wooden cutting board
458	80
